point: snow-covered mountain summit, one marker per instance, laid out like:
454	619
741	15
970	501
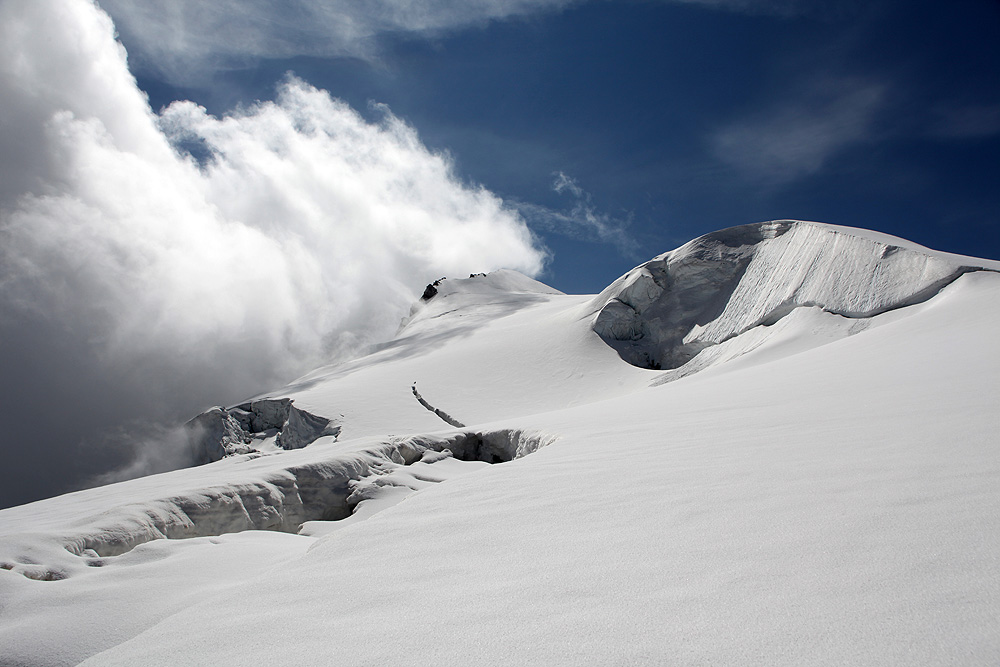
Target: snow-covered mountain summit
812	475
727	283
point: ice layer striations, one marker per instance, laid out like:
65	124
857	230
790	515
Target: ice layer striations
721	285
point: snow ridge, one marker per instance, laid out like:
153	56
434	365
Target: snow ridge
665	312
448	419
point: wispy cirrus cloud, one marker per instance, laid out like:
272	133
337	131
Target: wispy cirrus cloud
581	220
797	134
186	39
965	121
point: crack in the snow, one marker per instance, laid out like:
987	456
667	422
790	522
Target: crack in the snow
448	419
283	500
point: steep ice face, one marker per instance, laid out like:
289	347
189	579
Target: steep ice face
717	287
218	432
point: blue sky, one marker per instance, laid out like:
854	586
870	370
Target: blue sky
675	119
239	191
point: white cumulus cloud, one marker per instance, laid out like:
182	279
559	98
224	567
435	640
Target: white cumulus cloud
157	282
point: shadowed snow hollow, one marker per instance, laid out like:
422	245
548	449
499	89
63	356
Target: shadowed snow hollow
665	312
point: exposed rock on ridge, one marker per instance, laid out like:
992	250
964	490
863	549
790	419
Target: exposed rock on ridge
664	312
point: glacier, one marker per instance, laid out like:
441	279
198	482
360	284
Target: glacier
252	426
776	444
721	285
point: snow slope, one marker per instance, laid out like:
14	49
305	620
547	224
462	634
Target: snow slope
822	487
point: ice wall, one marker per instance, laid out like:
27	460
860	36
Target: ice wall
664	312
221	432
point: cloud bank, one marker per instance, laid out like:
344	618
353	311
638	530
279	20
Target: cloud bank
185	40
154	264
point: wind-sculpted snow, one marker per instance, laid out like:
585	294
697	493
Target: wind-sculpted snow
665	312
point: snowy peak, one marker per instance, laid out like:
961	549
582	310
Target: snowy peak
665	312
496	283
493	294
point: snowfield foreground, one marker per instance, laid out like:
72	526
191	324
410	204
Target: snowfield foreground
776	445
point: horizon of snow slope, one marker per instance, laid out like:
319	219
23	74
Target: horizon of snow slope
813	477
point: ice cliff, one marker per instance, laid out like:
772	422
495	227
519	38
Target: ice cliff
221	432
665	312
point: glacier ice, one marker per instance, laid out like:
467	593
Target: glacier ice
220	432
663	313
